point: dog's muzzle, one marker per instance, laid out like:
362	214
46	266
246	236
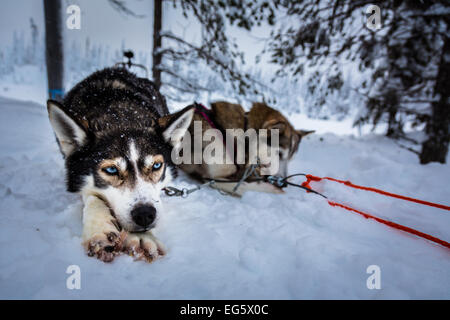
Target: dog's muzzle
144	216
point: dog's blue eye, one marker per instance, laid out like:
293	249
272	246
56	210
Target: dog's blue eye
111	170
157	166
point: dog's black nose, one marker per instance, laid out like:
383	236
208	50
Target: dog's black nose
143	216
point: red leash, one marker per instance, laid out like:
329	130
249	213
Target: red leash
391	224
348	183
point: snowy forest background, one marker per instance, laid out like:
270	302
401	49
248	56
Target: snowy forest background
315	58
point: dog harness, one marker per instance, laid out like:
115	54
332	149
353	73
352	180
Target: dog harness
207	115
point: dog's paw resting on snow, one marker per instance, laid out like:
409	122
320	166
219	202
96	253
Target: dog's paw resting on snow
101	235
105	246
143	246
104	239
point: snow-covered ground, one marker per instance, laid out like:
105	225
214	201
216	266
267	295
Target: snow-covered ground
261	246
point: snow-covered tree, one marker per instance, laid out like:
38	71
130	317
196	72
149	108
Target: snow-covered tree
406	57
216	51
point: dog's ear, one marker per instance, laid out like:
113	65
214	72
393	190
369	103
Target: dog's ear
69	133
303	133
174	125
274	124
295	140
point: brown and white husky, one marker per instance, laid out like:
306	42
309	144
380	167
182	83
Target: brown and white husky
226	117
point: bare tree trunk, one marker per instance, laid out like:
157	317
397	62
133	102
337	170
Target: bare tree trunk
435	148
54	48
392	130
395	127
157	57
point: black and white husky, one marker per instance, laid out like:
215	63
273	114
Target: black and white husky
116	136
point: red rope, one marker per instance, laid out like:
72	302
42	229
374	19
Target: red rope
385	222
348	183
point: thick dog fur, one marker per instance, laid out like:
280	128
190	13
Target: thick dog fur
116	136
227	115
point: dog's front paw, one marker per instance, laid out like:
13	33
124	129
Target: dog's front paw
105	246
143	246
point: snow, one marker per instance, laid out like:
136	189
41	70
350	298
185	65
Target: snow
262	246
25	83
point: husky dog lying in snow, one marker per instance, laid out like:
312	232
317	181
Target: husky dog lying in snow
225	116
116	136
